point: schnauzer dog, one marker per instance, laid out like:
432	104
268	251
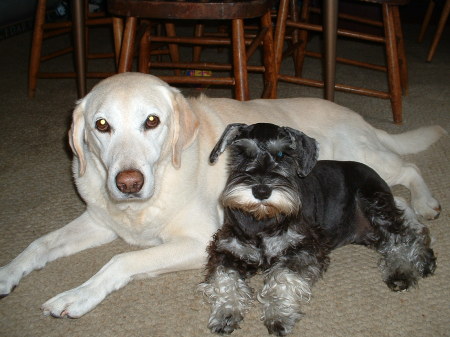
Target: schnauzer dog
284	212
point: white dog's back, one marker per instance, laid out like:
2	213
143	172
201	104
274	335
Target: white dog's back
321	119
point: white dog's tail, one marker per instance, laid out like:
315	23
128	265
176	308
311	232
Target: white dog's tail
412	141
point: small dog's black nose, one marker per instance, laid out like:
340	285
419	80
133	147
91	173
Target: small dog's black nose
261	192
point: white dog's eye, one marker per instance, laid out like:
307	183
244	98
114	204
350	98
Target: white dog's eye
152	122
102	125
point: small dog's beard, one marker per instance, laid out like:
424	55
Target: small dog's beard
281	202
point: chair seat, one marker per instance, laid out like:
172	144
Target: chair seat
171	12
190	9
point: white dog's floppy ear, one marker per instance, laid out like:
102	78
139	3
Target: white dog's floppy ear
76	135
232	131
185	127
307	149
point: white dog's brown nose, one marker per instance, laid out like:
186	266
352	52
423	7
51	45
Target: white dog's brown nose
129	181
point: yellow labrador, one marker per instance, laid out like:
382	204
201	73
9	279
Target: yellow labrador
141	165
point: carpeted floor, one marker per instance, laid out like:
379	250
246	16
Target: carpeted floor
37	196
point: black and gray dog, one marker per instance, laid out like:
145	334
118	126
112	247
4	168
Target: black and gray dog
284	212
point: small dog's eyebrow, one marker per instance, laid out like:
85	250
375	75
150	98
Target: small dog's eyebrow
250	144
276	145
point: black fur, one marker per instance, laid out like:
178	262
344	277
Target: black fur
284	212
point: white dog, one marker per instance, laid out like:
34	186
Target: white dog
141	165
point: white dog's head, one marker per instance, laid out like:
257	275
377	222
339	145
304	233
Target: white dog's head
125	126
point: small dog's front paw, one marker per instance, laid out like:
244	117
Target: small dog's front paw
225	325
277	327
72	304
429	269
428	263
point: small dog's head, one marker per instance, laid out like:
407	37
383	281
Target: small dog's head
265	164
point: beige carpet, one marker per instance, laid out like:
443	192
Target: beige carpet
37	196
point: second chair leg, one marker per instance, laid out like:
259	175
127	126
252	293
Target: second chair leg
270	75
426	20
36	47
392	64
401	51
118	33
300	52
440	29
144	50
239	60
173	48
127	51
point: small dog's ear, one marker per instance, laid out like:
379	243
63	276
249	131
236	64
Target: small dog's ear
232	131
307	149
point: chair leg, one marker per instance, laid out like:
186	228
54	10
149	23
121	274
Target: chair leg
144	51
270	75
330	36
126	54
426	20
440	29
36	47
79	9
280	32
173	47
197	50
239	60
401	51
300	52
118	33
295	32
392	63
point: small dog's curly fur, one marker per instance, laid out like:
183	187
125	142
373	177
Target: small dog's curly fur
285	212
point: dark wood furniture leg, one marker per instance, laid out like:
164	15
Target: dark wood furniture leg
270	75
392	63
78	19
127	50
239	60
36	48
330	31
439	30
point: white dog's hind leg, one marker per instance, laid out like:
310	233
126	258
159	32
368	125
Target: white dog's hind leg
182	254
408	174
395	171
422	200
76	236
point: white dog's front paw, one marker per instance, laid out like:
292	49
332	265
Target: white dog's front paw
8	281
73	303
427	208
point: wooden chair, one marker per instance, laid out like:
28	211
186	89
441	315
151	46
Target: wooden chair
440	28
233	12
293	25
43	30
